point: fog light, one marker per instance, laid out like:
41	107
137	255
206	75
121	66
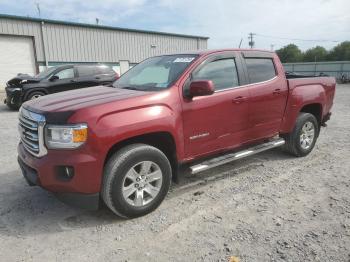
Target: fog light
65	173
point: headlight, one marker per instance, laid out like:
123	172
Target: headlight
65	136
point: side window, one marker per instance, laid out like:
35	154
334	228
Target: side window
222	72
85	71
100	70
260	69
65	73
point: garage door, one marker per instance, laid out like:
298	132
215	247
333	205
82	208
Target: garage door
16	56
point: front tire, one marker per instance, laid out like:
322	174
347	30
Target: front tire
136	180
34	95
302	139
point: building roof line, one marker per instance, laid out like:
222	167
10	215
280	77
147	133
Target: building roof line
50	21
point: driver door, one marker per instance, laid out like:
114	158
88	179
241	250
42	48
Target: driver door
64	82
219	121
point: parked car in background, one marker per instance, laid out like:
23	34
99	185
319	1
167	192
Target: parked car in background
56	79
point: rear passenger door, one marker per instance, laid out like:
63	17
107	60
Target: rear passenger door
268	94
86	76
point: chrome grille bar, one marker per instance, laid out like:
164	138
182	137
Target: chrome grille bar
31	129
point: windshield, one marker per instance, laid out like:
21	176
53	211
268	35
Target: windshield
46	72
156	73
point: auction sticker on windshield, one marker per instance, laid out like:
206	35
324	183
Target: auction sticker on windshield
183	60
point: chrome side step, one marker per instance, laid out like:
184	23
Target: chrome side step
224	159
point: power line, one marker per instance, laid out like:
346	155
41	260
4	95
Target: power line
298	39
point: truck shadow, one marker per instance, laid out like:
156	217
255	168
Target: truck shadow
4	108
31	210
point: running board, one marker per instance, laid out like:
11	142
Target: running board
224	159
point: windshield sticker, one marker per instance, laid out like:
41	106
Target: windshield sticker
183	60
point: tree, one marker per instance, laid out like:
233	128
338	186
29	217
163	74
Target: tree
290	53
341	52
317	53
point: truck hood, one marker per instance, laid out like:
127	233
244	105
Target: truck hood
71	101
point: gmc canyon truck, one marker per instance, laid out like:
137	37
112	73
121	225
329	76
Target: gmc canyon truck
123	145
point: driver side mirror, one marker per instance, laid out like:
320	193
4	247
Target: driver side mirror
54	78
201	88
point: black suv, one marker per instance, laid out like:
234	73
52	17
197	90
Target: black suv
56	79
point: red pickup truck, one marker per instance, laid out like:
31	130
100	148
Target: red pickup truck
124	144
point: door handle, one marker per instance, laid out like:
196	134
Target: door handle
239	99
73	81
276	91
97	77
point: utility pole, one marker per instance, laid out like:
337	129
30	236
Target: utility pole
251	40
272	46
97	21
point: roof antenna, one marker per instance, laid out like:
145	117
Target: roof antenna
240	43
38	9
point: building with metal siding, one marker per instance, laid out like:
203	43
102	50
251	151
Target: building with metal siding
56	42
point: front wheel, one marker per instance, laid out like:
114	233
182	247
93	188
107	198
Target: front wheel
304	135
136	180
35	95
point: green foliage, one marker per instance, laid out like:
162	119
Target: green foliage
317	53
291	53
341	52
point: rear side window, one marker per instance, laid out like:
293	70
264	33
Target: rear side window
222	72
85	70
101	70
260	69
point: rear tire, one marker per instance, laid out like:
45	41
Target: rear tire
302	139
136	180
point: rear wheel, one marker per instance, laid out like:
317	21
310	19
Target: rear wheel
136	180
304	135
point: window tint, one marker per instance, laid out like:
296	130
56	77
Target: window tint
260	69
65	73
85	70
222	72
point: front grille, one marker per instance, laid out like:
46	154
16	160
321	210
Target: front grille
31	130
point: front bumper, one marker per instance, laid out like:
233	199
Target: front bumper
13	96
81	190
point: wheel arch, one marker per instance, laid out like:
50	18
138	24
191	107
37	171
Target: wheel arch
164	141
314	109
29	92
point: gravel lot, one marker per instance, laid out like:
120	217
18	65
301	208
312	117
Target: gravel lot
270	207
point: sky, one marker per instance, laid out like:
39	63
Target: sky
275	22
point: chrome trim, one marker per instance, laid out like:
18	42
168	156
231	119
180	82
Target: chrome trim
229	157
31	128
263	82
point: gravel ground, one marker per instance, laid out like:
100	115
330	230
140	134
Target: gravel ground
270	207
